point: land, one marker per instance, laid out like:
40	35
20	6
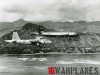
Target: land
88	40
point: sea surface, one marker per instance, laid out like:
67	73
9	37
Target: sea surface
37	64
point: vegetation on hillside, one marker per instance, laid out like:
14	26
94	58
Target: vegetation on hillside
84	43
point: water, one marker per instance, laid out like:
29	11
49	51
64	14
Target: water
38	64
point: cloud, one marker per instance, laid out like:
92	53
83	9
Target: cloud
52	10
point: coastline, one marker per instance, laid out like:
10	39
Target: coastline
55	54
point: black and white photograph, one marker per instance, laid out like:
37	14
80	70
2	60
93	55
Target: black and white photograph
49	37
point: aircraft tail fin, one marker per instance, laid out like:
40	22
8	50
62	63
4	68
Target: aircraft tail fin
15	36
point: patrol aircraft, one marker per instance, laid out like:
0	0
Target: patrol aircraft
39	40
53	34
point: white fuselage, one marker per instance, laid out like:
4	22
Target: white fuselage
43	41
58	33
18	41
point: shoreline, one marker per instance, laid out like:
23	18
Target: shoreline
55	53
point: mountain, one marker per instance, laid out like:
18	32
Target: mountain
25	31
6	27
83	40
76	26
88	40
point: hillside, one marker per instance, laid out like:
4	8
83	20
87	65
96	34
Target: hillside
87	42
76	26
84	43
25	31
6	27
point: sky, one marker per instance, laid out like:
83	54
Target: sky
49	10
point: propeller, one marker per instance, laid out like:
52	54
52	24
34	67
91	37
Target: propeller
40	29
14	42
39	44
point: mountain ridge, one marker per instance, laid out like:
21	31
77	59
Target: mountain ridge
85	40
76	26
6	27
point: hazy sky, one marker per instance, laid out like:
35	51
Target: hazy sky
49	10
